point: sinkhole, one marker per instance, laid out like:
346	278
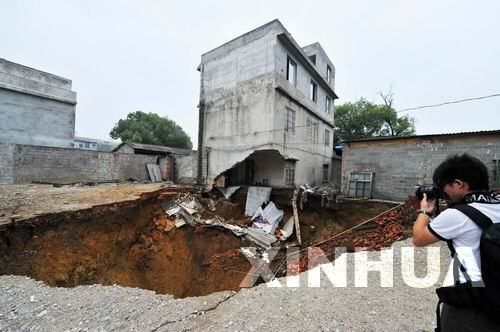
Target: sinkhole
131	244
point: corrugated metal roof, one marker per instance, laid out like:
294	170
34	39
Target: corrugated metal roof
155	148
465	133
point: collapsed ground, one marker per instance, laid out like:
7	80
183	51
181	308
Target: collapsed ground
120	234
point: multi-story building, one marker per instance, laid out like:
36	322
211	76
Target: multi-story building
86	143
36	108
266	111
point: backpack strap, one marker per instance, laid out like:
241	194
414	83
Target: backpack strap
475	215
482	221
438	317
458	265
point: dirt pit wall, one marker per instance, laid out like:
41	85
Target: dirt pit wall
126	244
133	243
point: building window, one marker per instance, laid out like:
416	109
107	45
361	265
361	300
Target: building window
289	172
360	185
327	137
291	71
328	105
328	74
315	126
313	91
325	172
313	58
290	121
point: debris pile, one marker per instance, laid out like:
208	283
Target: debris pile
380	232
261	228
326	193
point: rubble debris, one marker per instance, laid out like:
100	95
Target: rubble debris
211	204
255	198
184	210
305	189
268	218
154	172
260	237
326	192
229	191
286	231
237	230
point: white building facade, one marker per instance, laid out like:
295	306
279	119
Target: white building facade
266	111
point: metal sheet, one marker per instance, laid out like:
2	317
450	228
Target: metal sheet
255	198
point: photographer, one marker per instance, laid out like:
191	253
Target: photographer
462	180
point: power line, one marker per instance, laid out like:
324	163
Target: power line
449	102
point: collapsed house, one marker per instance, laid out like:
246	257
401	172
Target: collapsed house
266	111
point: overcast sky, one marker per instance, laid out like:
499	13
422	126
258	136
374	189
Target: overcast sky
124	56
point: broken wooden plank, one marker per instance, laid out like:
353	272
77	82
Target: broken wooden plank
296	216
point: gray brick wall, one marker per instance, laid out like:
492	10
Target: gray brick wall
27	163
6	163
400	165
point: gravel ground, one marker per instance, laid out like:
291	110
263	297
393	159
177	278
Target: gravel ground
29	305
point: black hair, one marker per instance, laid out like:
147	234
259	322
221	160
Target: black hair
462	167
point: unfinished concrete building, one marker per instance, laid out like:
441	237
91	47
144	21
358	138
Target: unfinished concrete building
36	108
266	111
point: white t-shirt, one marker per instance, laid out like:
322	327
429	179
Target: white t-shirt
453	225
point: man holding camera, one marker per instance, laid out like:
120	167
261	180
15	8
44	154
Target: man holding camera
463	180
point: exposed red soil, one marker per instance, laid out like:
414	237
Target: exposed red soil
133	242
130	244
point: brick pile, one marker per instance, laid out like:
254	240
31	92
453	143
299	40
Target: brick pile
375	235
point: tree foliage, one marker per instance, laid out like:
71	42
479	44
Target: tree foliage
150	128
363	119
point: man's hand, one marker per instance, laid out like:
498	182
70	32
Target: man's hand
428	205
421	234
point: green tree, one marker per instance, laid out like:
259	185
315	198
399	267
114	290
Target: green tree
363	119
150	128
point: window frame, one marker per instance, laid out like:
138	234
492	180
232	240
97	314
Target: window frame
309	128
328	74
289	172
328	105
326	173
327	137
290	120
291	63
313	91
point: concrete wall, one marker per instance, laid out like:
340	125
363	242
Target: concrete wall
237	91
336	171
401	164
27	163
322	60
36	108
245	97
304	77
185	168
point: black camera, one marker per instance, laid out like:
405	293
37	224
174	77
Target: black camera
432	192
